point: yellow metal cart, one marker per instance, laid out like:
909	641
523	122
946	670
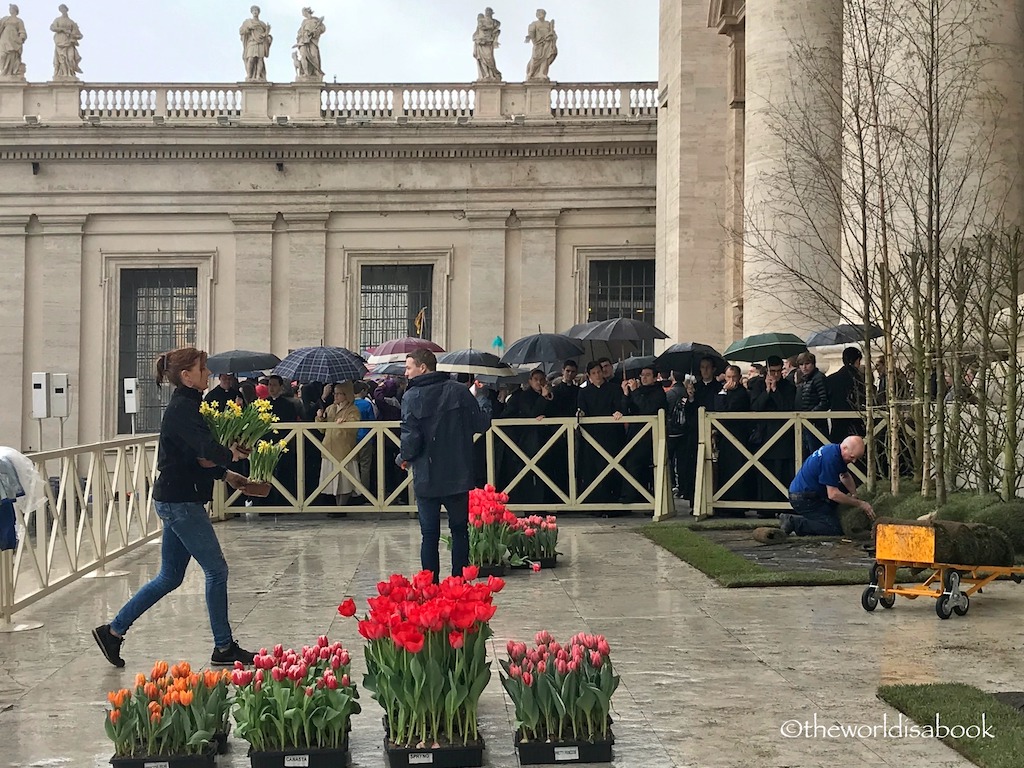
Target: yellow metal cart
913	546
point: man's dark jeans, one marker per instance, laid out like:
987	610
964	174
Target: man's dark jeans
815	516
429	509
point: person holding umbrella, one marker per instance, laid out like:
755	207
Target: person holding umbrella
600	398
643	397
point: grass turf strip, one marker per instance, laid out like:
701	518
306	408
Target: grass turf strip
956	704
732	570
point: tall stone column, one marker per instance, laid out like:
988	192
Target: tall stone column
486	277
693	129
537	296
14	383
253	271
60	347
792	228
307	241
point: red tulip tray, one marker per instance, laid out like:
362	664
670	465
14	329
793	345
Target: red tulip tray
491	569
301	758
567	752
205	760
458	756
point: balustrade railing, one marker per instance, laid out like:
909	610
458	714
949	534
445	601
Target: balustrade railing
229	104
130	102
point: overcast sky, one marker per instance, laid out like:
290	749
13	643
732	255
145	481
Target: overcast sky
367	41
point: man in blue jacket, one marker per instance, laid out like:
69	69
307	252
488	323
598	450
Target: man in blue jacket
439	419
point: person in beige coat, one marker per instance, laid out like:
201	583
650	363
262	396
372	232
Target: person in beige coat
340	442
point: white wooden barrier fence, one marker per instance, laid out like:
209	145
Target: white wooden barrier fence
100	505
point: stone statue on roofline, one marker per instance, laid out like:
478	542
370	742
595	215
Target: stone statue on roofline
542	34
12	40
67	64
485	40
306	51
256	40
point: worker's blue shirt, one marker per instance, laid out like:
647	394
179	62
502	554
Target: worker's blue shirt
822	468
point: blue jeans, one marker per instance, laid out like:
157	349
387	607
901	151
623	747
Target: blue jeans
188	533
429	509
815	517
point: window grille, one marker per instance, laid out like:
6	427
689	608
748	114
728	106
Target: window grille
622	289
158	313
395	301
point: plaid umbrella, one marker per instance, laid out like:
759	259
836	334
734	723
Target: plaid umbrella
321	364
241	360
395	350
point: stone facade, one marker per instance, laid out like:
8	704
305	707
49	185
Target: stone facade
278	195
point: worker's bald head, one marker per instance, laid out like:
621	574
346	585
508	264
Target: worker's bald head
852	448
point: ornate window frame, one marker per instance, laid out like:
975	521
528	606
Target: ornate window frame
441	259
113	262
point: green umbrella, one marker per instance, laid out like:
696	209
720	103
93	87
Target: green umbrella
761	346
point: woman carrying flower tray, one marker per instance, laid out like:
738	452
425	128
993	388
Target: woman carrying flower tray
189	460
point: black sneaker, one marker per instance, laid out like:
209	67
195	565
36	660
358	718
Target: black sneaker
110	644
231	654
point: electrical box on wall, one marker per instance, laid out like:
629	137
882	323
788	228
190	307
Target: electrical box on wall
131	404
60	396
40	395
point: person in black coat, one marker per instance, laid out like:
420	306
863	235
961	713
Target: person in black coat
732	398
225	392
642	397
599	398
439	419
777	395
846	393
189	459
811	395
700	393
534	402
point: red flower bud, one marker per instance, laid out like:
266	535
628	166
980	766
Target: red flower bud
535	566
470	572
347	608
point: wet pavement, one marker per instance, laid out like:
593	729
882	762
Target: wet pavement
710	676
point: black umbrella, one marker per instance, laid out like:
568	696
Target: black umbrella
635	364
619	329
473	361
686	357
843	334
237	360
542	348
322	364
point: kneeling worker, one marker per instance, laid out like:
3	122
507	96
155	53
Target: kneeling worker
815	491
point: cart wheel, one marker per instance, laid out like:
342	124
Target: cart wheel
876	573
868	598
950	580
1016	578
942	608
962	610
887	601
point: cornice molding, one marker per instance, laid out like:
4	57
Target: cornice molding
70	153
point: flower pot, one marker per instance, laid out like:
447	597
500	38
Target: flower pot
205	760
567	751
492	569
301	758
259	490
458	756
220	740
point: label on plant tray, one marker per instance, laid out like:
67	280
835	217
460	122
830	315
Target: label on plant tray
156	765
421	758
567	753
296	761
